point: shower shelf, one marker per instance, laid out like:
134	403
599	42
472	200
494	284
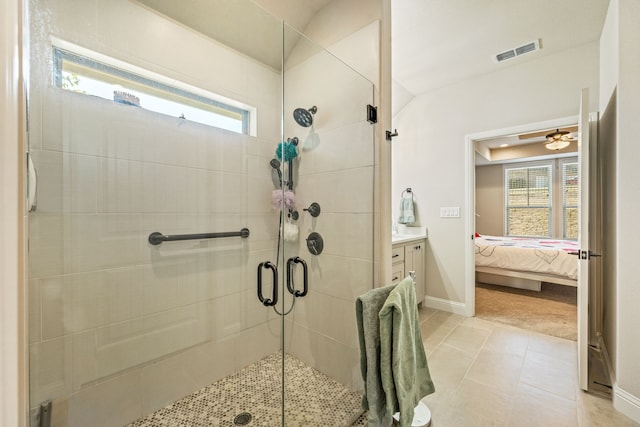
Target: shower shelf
156	238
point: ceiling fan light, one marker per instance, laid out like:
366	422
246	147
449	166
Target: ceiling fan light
558	144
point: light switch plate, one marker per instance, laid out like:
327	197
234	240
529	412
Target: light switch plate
450	212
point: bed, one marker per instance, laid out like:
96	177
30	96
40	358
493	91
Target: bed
525	262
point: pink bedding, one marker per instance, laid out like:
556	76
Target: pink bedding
548	256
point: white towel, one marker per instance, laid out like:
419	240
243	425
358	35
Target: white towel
406	210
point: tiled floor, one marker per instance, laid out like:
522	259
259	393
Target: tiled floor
486	374
252	397
489	374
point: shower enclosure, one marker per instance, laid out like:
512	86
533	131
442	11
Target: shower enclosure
192	242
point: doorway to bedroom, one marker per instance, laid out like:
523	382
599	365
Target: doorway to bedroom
529	178
524	223
526	220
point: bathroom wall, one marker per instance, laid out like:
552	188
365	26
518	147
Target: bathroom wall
120	328
619	69
429	153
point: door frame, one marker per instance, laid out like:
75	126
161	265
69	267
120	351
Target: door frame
470	194
13	328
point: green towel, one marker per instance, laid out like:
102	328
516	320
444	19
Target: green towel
403	363
367	309
407	215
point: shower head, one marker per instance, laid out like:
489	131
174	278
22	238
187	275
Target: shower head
304	117
275	164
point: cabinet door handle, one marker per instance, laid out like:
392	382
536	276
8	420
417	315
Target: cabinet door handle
394	279
395	256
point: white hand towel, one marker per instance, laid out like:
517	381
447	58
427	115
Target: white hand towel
406	211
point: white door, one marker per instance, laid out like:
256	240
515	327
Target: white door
584	254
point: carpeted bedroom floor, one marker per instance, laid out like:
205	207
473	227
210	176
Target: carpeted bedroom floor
552	311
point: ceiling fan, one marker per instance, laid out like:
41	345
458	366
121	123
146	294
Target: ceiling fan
558	139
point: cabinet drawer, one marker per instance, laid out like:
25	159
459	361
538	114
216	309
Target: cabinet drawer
397	254
397	273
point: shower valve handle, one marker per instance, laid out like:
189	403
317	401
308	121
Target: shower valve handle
313	209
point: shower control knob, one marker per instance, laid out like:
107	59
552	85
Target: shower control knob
315	243
313	209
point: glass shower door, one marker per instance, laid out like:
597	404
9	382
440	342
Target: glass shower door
203	219
152	128
328	145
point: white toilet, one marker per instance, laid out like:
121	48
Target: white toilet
421	416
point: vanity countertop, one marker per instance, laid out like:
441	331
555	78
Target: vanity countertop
407	234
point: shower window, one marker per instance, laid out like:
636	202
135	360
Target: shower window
86	75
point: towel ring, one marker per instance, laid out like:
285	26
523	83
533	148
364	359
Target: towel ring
407	191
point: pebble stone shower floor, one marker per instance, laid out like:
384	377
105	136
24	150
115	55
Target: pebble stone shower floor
312	399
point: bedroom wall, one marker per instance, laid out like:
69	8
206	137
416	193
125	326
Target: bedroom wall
620	68
489	200
429	153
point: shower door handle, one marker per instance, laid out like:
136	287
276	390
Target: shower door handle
290	285
274	298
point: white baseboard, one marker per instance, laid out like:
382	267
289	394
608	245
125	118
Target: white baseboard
445	305
626	403
623	401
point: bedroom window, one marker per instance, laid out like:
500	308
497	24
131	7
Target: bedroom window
542	198
529	201
570	194
97	75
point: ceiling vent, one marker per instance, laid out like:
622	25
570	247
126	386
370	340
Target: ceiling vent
517	51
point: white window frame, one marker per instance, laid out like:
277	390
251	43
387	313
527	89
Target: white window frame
526	165
172	89
561	163
557	230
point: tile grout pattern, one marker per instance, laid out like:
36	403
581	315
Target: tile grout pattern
486	374
311	399
490	374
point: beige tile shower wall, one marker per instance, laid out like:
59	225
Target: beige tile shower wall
118	327
336	170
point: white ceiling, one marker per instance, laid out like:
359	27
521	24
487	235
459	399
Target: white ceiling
436	43
241	24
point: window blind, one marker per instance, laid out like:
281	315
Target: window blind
529	201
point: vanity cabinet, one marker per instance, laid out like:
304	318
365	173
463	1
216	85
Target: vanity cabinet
407	257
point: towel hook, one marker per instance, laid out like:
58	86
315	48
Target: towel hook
391	135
